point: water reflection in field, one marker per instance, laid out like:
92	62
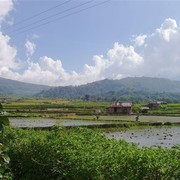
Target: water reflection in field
164	136
48	122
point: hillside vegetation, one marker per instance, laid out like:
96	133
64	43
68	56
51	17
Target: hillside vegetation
142	89
128	89
15	88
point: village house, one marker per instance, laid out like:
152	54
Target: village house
154	105
120	108
4	100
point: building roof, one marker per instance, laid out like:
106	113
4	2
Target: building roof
144	108
121	104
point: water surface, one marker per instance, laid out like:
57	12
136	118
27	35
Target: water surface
153	136
48	122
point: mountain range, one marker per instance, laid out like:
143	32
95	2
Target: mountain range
137	89
19	89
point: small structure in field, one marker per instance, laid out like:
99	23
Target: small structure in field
154	105
144	109
120	108
4	100
98	112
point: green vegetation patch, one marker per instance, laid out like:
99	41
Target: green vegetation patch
81	153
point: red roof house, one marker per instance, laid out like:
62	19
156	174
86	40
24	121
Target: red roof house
120	108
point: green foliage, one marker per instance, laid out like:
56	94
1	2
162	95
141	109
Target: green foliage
4	121
168	109
74	109
138	90
128	89
5	172
53	107
16	88
136	108
85	154
1	107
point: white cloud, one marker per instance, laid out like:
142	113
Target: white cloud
168	29
5	7
30	48
139	40
161	52
45	71
121	61
158	56
7	53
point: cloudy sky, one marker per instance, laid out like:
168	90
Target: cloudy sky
72	42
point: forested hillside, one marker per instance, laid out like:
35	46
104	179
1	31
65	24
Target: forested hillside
15	88
134	89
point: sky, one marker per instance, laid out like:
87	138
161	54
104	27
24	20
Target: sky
74	42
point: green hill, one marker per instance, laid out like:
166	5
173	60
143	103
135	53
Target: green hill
15	88
134	89
137	89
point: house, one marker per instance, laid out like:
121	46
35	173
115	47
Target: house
120	108
154	105
4	101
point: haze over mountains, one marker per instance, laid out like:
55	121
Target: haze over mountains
138	89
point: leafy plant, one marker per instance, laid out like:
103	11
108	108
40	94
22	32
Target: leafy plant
4	121
5	172
82	153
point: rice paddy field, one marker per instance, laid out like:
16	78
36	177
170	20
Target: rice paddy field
85	110
64	107
46	113
66	139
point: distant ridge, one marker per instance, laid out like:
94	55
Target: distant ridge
137	89
16	88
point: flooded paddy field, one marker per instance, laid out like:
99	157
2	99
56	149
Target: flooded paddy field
49	122
143	118
164	136
151	136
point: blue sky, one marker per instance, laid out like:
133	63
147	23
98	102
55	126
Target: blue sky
113	40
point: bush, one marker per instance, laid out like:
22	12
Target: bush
1	107
5	172
85	154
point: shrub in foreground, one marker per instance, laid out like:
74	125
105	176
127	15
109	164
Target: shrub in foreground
85	154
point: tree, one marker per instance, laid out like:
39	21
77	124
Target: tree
86	97
1	107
